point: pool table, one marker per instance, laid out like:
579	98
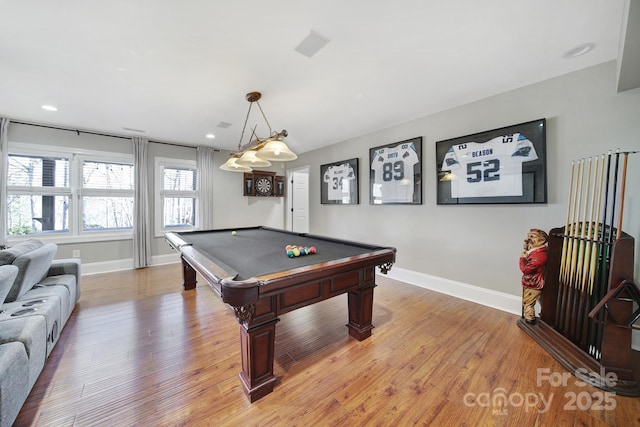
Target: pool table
250	269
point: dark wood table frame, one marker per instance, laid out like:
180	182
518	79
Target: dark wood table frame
258	302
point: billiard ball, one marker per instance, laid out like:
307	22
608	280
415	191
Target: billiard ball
233	233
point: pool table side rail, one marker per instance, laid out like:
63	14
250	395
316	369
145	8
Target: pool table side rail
272	282
219	275
211	270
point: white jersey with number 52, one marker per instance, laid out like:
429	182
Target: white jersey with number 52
489	169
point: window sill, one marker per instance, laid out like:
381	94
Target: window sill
63	240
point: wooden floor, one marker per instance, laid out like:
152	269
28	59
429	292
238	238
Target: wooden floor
140	351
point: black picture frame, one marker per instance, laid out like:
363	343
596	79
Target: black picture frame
279	187
248	184
395	173
496	173
339	183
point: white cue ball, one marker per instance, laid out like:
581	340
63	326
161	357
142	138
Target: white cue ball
233	233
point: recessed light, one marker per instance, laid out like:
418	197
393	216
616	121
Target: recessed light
579	50
49	108
210	136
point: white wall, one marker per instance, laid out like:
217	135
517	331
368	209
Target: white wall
480	244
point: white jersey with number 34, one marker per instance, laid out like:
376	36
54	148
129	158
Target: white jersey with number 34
338	179
489	169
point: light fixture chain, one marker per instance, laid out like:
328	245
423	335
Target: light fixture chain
265	118
246	119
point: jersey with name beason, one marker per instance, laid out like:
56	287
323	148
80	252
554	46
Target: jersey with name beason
393	173
338	179
489	169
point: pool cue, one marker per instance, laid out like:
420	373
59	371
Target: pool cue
572	251
586	264
622	188
601	264
588	327
614	195
566	260
565	243
577	293
572	248
602	289
565	240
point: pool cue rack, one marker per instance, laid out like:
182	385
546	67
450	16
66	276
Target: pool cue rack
590	302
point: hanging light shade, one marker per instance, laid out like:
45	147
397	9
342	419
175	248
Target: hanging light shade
257	152
232	165
250	158
276	150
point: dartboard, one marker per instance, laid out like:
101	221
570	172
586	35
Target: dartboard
263	186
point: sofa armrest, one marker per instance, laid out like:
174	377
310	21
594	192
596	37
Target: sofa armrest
66	266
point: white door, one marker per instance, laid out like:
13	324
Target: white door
298	201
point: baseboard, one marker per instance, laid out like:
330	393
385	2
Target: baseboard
487	297
125	264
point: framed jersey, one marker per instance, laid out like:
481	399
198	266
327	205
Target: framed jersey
339	183
506	165
396	173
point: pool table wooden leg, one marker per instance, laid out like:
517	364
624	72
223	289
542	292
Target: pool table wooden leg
257	344
188	275
361	312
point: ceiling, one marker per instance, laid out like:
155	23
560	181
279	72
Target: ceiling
172	71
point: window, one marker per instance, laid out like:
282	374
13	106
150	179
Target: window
72	194
107	196
176	196
38	194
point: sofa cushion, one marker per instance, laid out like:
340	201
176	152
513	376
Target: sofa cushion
33	267
31	332
7	256
8	275
63	286
49	307
14	381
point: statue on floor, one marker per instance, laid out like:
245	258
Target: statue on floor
532	265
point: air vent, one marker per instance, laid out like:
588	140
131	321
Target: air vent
312	44
133	130
223	125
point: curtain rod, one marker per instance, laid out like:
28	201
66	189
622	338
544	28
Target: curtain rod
99	134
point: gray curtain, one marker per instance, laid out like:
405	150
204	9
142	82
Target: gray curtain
141	231
4	165
205	166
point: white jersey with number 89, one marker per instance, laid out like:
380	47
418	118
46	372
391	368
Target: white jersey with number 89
393	169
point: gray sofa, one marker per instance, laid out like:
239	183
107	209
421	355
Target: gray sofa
37	296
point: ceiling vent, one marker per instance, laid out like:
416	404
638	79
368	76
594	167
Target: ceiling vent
312	44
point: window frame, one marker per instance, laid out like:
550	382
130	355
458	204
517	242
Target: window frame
160	193
75	192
